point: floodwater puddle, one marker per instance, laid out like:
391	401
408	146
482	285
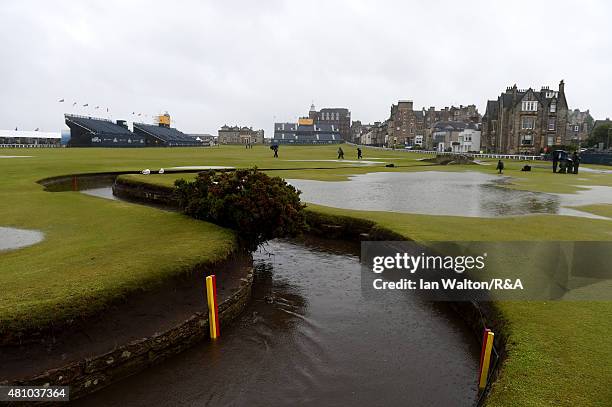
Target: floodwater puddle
101	192
199	167
13	238
16	156
470	193
362	162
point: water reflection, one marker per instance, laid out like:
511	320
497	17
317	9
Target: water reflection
495	200
101	192
472	194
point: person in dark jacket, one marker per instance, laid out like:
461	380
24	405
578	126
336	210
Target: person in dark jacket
275	149
576	161
555	158
500	167
359	154
340	154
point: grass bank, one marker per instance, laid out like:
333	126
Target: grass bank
94	250
558	352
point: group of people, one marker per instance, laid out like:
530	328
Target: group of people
341	153
564	163
274	147
561	160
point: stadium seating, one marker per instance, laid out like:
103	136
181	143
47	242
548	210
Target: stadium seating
99	126
164	136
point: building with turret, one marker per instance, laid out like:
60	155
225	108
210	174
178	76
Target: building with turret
338	117
525	121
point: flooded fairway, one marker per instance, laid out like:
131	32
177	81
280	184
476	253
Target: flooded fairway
472	194
310	336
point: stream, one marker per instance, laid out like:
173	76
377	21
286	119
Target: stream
310	336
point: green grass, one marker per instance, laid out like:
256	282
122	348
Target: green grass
96	251
559	352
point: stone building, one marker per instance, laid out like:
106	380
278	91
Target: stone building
456	136
374	134
402	123
579	126
414	127
239	135
340	118
358	129
525	121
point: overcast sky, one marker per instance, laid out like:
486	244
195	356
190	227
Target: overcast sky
255	62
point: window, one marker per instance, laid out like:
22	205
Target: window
551	123
530	106
551	141
576	128
553	107
526	139
527	123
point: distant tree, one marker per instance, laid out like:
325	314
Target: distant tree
600	135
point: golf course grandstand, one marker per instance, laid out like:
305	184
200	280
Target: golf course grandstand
164	136
95	132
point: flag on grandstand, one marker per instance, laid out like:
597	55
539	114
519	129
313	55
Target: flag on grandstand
86	104
74	104
107	110
97	107
36	129
61	100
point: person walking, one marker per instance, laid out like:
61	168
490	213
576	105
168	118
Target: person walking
576	161
555	158
274	148
340	154
359	154
500	167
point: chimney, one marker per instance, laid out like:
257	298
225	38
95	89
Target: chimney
561	86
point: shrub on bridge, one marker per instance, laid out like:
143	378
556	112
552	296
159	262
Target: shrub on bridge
259	207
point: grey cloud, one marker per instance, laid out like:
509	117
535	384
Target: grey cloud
247	62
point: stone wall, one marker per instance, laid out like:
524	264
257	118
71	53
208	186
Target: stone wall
133	190
89	375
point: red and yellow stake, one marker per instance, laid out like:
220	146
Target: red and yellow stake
213	306
485	358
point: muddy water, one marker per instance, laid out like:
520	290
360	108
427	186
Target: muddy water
13	238
471	194
310	337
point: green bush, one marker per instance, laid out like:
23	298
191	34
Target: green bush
259	207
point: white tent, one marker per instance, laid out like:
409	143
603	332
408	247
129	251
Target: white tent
30	134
